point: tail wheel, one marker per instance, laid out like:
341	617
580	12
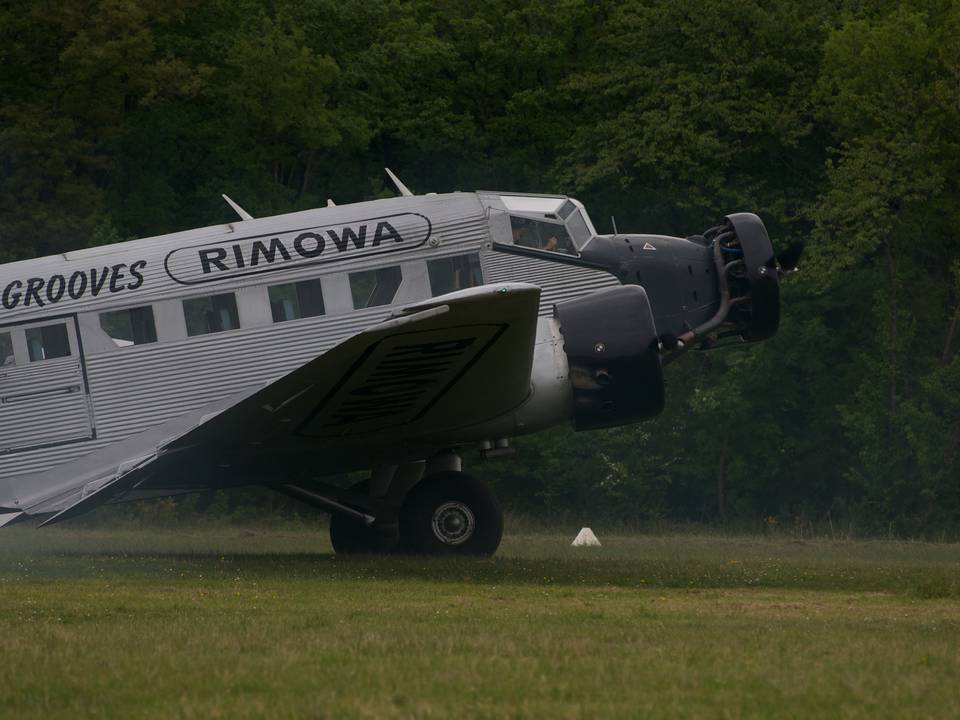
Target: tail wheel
350	536
450	513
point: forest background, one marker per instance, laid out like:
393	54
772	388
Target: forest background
838	122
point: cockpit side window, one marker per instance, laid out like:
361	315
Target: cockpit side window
565	210
541	235
578	228
573	218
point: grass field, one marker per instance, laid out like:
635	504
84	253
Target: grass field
238	623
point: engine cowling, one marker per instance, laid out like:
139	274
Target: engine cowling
613	352
722	285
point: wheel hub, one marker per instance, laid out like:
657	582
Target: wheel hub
453	523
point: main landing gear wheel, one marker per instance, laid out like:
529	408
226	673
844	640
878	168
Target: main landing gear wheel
350	536
450	513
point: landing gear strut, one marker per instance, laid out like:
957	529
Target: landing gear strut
348	535
446	513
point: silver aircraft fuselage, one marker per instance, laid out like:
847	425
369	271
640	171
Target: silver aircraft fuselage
70	386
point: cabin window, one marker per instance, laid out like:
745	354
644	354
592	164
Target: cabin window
374	287
296	300
540	235
48	342
6	349
211	314
454	273
135	326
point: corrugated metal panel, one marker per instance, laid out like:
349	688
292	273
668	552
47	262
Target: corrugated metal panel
559	283
42	404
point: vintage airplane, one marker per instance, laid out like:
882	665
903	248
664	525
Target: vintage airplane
387	336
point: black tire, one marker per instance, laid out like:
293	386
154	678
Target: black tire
450	513
350	536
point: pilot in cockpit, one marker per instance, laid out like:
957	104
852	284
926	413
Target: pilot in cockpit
540	235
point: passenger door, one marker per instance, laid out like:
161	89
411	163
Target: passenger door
44	395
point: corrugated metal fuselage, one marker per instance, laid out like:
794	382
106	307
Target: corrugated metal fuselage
55	410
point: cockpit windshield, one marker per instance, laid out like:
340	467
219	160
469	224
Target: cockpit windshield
546	223
540	234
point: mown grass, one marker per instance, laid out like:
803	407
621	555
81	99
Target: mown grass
226	622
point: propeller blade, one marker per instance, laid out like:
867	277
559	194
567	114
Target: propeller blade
790	258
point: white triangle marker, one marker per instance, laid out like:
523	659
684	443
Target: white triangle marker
648	246
585	537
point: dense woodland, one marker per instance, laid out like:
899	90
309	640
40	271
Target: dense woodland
838	122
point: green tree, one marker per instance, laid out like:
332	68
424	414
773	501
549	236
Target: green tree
73	74
886	228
